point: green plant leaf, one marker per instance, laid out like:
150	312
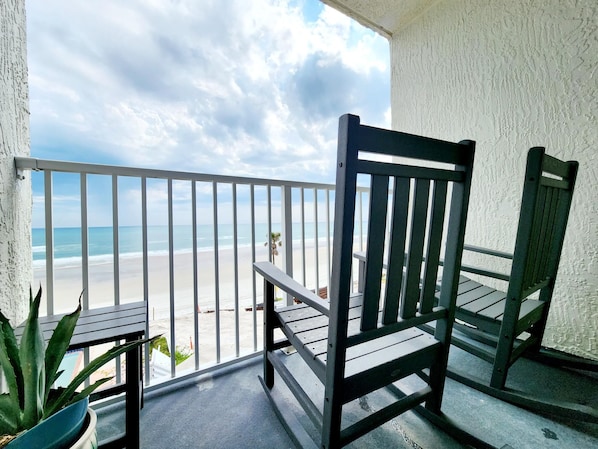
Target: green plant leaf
58	345
10	362
9	416
10	409
58	374
69	392
31	353
88	390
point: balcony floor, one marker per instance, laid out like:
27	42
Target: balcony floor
229	409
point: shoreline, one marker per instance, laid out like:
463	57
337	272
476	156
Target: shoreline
229	287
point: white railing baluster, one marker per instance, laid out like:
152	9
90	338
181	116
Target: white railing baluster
316	243
171	280
195	279
49	242
84	257
116	259
328	243
216	269
303	261
269	202
84	242
253	275
287	234
145	265
236	270
115	243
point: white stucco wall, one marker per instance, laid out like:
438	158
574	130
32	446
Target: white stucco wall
511	75
15	195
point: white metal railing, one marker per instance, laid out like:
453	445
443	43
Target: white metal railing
250	208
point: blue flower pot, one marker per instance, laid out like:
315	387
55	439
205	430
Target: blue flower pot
58	431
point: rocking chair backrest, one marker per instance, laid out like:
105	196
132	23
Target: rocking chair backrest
417	215
545	205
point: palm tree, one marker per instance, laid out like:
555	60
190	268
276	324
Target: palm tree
274	244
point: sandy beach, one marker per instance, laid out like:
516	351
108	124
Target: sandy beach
68	282
215	288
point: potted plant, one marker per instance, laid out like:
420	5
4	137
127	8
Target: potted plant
30	370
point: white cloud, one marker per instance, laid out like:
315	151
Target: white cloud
228	87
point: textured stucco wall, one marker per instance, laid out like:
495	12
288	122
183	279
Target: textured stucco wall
15	195
511	75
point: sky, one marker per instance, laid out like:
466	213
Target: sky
234	87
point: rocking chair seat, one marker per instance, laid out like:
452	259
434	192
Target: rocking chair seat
307	331
477	303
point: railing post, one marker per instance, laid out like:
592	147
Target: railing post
287	233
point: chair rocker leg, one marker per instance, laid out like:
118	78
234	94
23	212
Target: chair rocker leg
269	319
436	382
268	379
556	358
563	409
444	423
289	421
499	377
449	427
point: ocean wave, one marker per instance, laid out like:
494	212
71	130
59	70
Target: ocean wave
68	254
74	262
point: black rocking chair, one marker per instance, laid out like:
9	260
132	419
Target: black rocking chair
358	343
511	323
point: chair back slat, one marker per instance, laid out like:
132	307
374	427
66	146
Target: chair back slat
410	294
547	233
374	265
396	252
432	255
538	219
562	209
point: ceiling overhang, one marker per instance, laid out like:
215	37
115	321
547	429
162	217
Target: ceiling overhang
383	16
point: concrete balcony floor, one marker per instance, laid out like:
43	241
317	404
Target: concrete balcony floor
229	409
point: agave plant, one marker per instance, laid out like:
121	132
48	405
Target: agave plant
30	369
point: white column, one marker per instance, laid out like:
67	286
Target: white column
15	194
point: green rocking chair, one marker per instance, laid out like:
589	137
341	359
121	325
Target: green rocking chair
511	323
357	344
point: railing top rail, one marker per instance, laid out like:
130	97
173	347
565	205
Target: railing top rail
28	163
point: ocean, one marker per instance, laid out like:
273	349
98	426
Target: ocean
67	241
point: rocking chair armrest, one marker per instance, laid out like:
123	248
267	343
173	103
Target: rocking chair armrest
487	273
482	271
361	257
488	251
280	279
